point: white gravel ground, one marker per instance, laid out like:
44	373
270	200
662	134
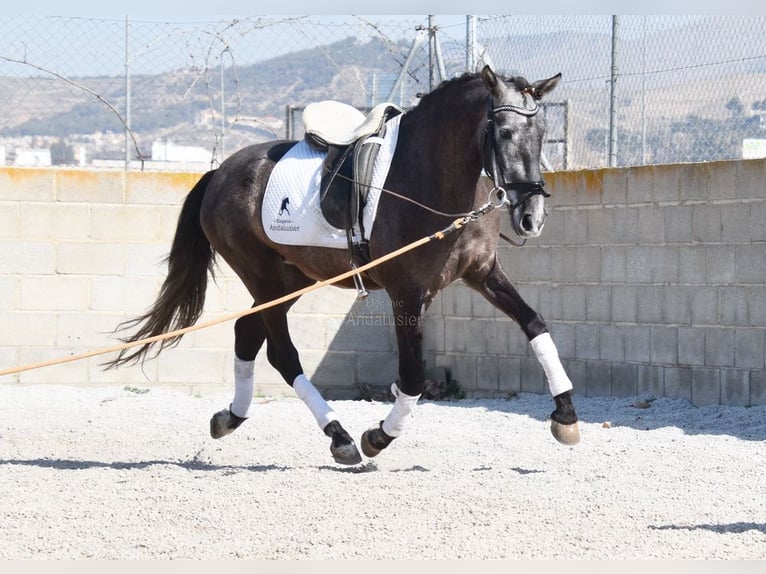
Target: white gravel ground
113	473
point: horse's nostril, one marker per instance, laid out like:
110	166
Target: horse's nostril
526	222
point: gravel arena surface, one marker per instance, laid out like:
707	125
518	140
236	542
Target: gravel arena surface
127	473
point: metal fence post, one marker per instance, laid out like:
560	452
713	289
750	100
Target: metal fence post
643	92
223	110
127	93
470	43
613	95
431	54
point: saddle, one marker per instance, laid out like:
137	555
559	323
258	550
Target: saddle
351	141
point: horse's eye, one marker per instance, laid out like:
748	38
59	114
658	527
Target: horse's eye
505	133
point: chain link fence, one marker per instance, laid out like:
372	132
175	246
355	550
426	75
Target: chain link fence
143	94
669	88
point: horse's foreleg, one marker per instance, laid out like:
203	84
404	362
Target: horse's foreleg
409	335
497	288
563	419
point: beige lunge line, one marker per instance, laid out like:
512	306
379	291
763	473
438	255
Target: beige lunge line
457	224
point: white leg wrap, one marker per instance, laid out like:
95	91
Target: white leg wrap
308	393
546	352
243	387
393	424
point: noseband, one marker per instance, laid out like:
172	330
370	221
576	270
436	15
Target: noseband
524	189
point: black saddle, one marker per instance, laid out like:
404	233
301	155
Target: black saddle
352	141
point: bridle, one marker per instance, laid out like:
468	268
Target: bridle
525	190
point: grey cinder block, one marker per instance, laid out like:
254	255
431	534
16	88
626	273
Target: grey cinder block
532	376
612	343
706	386
691	346
678	223
624	303
624	379
757	388
599	379
735	387
650	380
750	263
638	343
664	345
509	374
749	348
587	341
678	383
719	347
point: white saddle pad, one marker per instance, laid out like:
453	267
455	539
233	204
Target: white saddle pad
291	213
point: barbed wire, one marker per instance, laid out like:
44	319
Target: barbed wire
103	92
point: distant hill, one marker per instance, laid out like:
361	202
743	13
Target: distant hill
185	106
699	99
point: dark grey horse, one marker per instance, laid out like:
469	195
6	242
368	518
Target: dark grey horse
475	122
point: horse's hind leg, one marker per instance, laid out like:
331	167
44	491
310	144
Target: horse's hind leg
497	288
283	356
249	335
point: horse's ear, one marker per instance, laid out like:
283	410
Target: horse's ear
542	87
489	77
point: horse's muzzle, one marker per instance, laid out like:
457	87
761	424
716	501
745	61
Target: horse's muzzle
528	216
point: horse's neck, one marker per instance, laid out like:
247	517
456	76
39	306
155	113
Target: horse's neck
450	156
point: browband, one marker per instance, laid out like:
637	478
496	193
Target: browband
516	109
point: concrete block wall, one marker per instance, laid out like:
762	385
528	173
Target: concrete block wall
82	251
653	282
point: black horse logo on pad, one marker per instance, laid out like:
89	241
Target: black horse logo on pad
283	206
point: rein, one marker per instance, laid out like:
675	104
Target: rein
501	201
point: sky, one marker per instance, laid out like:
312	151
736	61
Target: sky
179	10
87	44
450	16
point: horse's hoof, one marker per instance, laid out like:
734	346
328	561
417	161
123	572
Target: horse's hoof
565	434
342	447
374	440
346	454
224	422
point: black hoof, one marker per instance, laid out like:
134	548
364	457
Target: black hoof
374	440
342	447
224	422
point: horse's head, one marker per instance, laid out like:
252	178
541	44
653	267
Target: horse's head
513	145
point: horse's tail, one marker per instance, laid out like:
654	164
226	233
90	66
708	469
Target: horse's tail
182	295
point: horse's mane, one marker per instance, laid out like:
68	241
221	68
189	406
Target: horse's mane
446	86
518	82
